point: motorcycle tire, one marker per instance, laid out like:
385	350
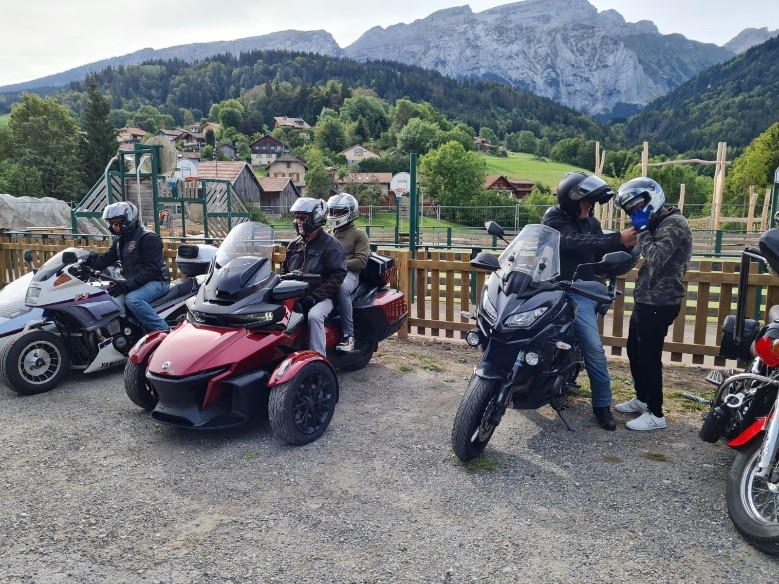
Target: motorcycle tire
751	505
33	362
475	421
138	388
300	410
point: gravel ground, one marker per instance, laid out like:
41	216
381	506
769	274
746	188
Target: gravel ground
94	491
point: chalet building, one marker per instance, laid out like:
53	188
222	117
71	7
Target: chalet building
353	182
278	194
206	126
481	144
227	151
291	167
242	179
191	140
130	135
296	123
358	152
267	149
171	134
515	188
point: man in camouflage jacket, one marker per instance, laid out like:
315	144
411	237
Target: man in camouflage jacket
665	242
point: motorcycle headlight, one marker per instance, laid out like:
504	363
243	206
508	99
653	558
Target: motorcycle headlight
251	319
488	308
525	319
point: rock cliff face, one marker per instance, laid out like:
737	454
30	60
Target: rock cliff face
748	38
562	49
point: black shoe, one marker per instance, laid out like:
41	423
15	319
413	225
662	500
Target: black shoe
605	419
346	344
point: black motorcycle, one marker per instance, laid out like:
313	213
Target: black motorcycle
525	327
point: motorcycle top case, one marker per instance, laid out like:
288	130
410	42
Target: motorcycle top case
738	348
378	270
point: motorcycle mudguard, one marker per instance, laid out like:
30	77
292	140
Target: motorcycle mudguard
146	346
753	430
290	366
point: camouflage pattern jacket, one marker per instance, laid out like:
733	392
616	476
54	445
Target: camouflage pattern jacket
666	246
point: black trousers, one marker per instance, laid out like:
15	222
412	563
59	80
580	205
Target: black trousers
648	328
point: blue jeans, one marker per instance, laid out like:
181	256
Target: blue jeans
138	300
345	308
316	325
586	331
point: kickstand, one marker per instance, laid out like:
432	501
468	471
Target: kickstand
559	409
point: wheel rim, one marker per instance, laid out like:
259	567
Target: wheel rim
759	498
311	405
486	426
39	362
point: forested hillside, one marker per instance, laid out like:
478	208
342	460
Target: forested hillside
732	102
176	87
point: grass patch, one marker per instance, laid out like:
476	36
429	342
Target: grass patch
529	166
427	363
249	455
656	456
480	465
405	368
611	459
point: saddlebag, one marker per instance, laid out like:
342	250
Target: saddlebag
733	347
379	271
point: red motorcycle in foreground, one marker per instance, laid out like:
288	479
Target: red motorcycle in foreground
244	344
745	410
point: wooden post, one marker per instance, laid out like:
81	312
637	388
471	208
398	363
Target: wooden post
645	159
719	184
751	211
681	197
766	209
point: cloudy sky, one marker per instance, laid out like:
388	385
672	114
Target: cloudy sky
43	37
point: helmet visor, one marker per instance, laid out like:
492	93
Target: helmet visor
587	187
630	199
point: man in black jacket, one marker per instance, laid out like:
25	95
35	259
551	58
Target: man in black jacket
143	264
318	252
582	241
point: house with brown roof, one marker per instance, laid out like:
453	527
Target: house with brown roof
191	140
266	149
130	135
355	181
291	167
171	134
297	123
240	175
278	194
358	152
516	188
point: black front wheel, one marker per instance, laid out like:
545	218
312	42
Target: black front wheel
33	362
301	409
138	388
476	419
753	502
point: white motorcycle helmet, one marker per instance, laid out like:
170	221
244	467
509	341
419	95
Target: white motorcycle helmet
343	209
124	210
638	190
316	209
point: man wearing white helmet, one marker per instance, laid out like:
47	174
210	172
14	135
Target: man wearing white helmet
343	211
315	251
665	242
143	264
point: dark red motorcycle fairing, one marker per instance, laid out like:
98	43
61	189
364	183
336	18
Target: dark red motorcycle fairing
146	345
290	367
191	349
753	430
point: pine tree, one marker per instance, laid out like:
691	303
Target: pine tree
99	144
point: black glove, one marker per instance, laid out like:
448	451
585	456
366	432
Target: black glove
117	288
91	259
307	302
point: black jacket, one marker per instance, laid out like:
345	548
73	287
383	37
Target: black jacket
142	258
581	241
322	255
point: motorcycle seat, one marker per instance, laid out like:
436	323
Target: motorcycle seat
180	287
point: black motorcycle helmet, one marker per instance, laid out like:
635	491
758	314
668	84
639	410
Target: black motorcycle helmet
316	209
579	186
769	247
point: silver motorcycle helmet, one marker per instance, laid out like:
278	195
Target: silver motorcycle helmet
122	210
316	209
637	191
343	209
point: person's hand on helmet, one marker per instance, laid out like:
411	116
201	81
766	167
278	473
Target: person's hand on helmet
117	288
628	237
307	302
90	260
640	217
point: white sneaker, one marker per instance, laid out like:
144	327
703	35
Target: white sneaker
646	421
633	406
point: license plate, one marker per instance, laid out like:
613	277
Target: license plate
716	377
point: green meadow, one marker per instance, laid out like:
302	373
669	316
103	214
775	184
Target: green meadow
530	167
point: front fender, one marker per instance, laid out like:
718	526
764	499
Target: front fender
753	430
290	366
145	346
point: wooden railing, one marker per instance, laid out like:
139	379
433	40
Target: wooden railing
439	285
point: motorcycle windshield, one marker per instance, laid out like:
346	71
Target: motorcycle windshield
246	239
535	251
54	263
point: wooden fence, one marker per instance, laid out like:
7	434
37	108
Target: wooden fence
439	285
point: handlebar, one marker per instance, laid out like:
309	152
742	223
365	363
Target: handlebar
302	276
